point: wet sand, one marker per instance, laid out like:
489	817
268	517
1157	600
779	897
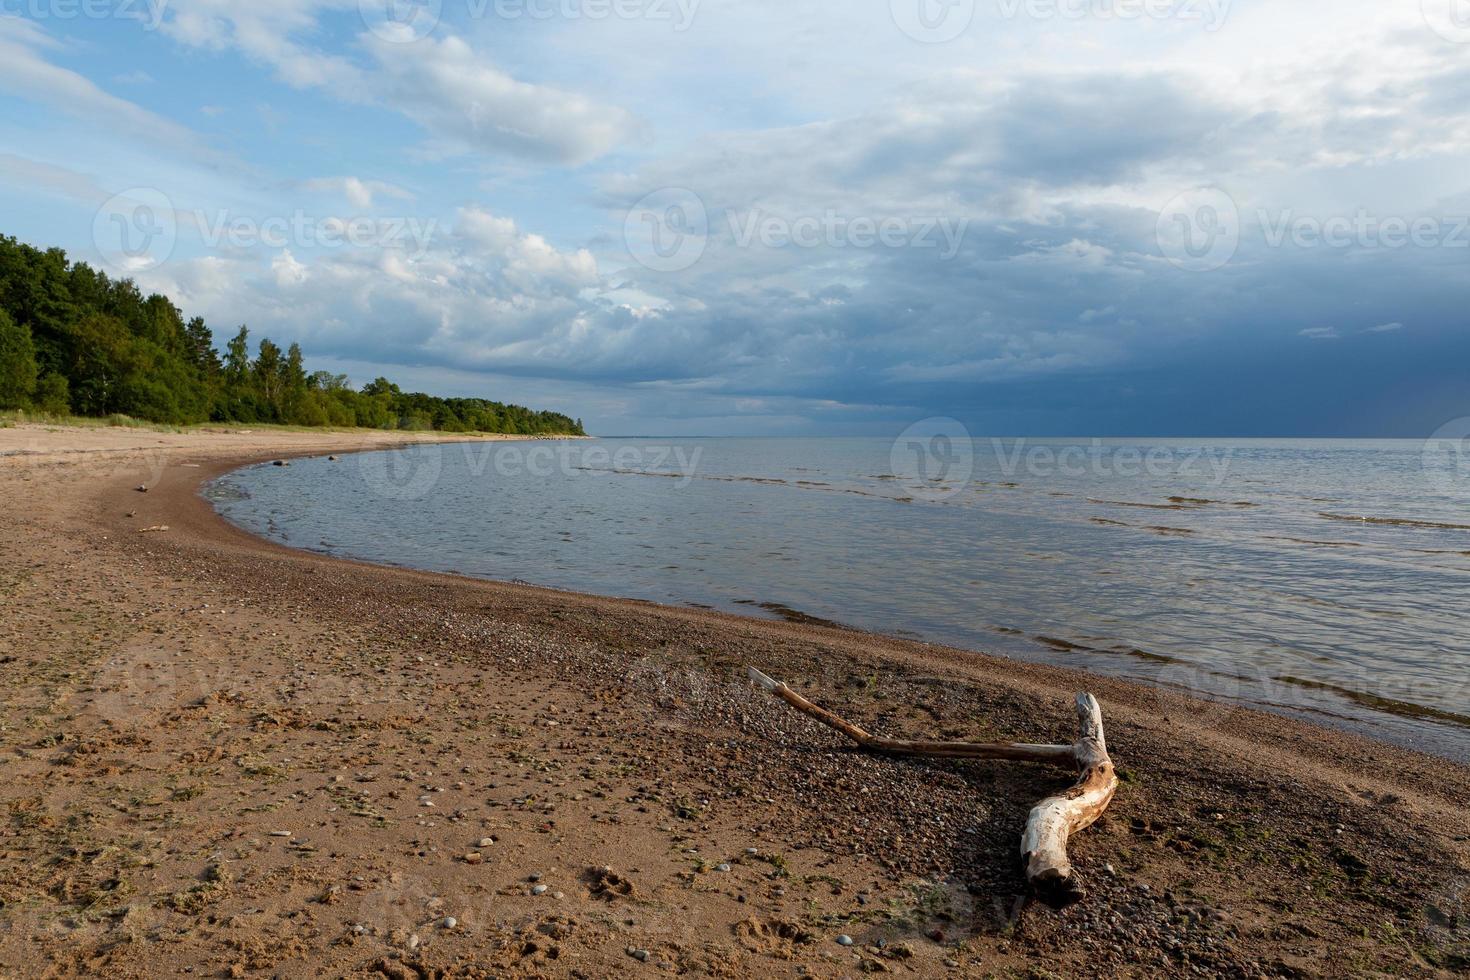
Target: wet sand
228	758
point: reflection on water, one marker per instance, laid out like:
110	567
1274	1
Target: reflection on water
1325	578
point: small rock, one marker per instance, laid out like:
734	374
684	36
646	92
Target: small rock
474	857
539	890
641	955
486	841
844	940
450	922
722	867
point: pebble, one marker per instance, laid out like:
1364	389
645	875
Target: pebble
539	890
722	867
641	955
844	940
486	841
450	922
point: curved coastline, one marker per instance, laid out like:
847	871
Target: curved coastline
1223	808
1327	699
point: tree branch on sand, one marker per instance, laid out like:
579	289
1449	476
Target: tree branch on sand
1052	822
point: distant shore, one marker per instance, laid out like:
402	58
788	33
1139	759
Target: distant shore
225	755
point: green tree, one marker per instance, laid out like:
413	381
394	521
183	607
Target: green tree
237	359
53	395
268	381
100	345
201	348
17	363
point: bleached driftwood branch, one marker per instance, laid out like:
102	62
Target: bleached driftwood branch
1052	822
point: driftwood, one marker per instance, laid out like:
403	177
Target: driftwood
1052	822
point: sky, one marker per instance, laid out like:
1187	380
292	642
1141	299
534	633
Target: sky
786	217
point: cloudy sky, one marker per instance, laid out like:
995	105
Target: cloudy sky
1080	217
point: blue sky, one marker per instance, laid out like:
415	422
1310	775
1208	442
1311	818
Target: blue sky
1080	217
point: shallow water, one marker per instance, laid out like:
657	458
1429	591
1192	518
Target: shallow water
1322	578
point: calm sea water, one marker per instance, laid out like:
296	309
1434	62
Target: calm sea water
1328	579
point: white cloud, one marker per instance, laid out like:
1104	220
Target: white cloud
470	105
457	95
29	75
1320	333
361	194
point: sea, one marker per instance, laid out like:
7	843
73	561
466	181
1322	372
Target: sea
1326	579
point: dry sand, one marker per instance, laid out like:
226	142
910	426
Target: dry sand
225	758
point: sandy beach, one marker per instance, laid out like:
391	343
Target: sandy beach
226	758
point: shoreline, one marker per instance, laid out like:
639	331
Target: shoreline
1340	701
585	731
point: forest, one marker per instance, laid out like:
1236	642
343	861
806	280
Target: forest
74	341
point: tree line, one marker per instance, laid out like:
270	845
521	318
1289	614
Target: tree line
74	341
